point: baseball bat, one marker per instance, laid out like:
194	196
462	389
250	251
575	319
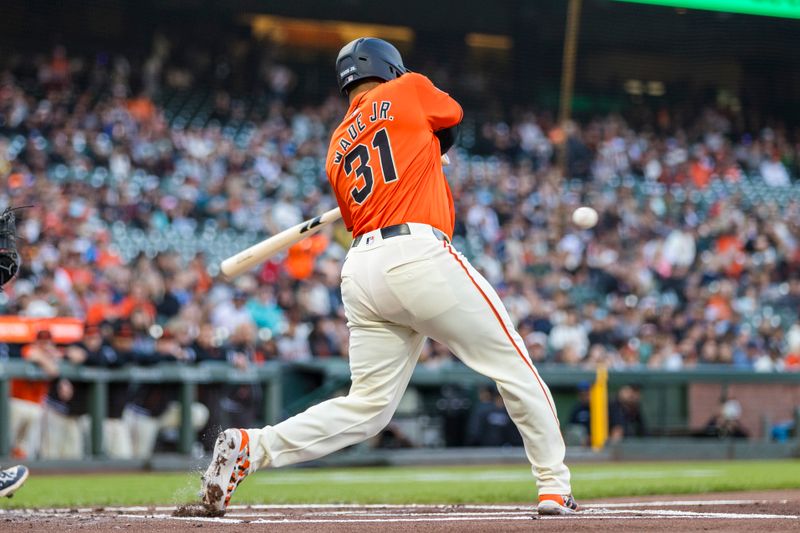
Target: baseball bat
260	252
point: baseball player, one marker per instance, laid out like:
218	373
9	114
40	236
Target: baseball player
402	282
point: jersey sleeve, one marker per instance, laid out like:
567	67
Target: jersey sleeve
439	108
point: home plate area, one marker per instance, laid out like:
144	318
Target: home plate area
778	512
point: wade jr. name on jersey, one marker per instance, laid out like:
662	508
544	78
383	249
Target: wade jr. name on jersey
379	112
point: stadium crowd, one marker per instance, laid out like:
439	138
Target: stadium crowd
696	259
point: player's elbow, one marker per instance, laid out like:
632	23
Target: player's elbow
447	137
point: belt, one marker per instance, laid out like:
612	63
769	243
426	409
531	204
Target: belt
400	229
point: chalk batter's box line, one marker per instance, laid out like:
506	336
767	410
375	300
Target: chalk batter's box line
470	518
268	507
393	513
372	513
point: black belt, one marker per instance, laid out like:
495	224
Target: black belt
400	229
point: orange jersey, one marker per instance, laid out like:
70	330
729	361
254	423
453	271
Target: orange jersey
26	389
384	161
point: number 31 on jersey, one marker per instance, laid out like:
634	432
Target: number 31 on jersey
357	164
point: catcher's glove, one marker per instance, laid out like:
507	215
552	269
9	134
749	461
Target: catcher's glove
9	258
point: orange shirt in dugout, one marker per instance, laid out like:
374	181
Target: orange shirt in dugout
384	162
34	391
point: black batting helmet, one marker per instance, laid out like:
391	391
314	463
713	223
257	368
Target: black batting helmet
368	57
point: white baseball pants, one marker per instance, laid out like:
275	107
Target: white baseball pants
117	440
62	436
397	292
144	429
26	426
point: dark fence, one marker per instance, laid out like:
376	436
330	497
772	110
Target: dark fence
289	388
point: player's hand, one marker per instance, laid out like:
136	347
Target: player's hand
445	160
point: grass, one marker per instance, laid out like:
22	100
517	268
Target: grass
476	484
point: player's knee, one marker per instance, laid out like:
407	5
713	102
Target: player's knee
376	425
379	411
381	421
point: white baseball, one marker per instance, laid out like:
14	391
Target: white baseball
585	217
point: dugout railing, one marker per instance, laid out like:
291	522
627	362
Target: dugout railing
288	388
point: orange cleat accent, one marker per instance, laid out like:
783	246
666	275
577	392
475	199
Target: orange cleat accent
557	504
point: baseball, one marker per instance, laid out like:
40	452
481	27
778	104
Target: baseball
585	217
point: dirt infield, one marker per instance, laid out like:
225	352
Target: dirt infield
762	511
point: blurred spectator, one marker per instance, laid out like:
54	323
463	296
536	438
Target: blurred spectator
773	171
435	355
694	261
66	406
231	314
115	350
28	396
241	403
580	427
727	422
265	311
570	338
140	202
208	349
625	416
453	406
293	345
490	424
300	259
154	407
792	360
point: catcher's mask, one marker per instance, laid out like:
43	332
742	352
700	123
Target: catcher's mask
9	258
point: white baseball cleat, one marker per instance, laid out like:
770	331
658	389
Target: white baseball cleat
556	504
11	479
230	464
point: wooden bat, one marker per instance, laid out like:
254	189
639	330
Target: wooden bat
260	252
